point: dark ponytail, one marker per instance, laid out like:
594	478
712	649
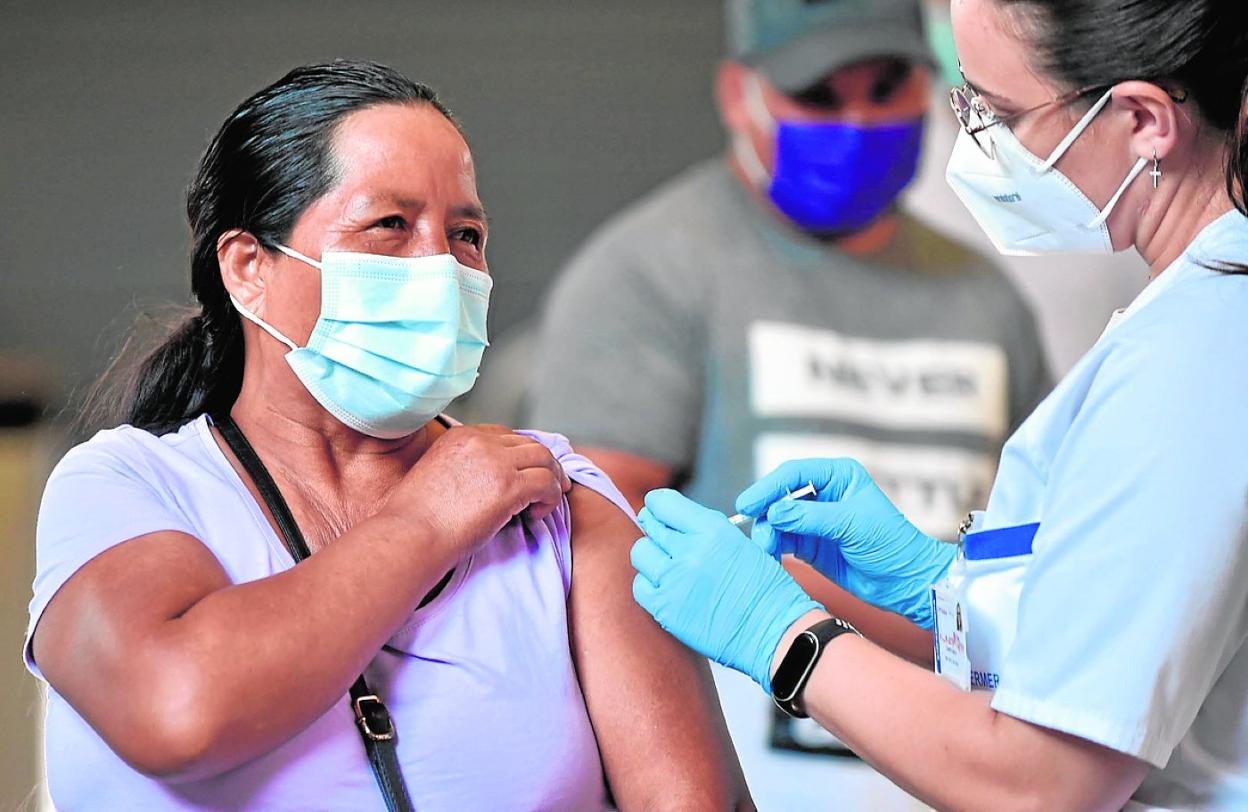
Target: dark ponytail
198	368
1237	163
270	160
1197	48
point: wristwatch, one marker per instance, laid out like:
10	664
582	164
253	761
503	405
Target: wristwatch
799	662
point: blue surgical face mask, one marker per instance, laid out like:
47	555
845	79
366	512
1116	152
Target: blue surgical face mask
831	177
398	338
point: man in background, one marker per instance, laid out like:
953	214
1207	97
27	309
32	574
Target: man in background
776	303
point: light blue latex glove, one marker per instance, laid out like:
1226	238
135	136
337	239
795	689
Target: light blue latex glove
850	532
711	587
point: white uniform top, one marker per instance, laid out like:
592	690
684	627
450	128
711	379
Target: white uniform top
1133	609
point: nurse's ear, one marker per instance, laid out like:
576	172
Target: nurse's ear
1161	125
243	260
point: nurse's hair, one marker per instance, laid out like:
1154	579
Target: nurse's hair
1196	47
270	160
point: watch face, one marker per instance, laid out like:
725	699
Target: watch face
794	667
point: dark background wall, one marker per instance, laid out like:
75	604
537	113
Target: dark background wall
572	109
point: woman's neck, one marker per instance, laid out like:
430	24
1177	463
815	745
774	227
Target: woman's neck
286	424
1181	207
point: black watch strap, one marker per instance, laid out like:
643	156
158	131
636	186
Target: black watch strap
799	663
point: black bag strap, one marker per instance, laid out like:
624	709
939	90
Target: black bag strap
371	715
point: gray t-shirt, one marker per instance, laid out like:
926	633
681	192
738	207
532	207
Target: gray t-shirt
698	330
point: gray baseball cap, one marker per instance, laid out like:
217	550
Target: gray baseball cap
795	43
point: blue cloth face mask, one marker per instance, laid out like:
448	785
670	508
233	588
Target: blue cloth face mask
831	177
398	338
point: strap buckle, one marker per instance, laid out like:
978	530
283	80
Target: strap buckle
377	713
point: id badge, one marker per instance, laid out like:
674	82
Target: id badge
951	615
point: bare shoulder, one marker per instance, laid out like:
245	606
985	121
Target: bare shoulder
596	520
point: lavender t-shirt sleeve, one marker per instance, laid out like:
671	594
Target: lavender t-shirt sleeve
582	472
98	496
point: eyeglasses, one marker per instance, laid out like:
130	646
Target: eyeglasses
976	116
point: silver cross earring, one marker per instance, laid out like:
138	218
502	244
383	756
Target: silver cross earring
1156	173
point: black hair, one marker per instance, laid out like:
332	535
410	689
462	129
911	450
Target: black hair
1197	49
270	160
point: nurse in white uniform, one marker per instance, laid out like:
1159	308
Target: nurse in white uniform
1090	631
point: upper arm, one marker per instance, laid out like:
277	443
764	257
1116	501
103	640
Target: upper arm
115	563
1077	773
652	702
101	643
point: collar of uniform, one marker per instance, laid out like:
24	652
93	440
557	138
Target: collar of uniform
1198	255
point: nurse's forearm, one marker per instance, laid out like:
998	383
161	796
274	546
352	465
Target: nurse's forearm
890	631
948	747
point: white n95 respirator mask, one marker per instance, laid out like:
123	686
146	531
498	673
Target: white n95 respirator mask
398	338
1023	203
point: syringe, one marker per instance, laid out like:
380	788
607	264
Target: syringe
801	493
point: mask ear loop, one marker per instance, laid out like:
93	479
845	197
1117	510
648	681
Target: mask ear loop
748	158
1074	134
755	107
1113	201
744	149
261	323
293	254
1071	136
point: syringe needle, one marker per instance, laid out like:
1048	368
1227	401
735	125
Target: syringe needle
801	493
